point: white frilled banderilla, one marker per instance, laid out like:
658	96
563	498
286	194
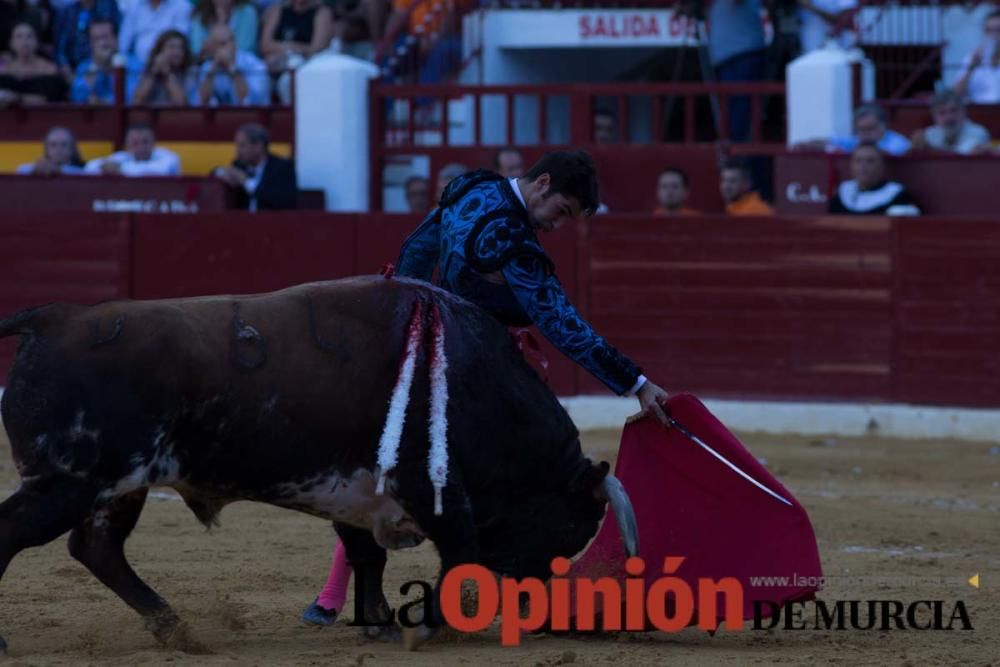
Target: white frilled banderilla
388	448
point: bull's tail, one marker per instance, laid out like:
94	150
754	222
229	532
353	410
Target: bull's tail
29	320
21	322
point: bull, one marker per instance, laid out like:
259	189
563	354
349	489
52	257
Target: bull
281	398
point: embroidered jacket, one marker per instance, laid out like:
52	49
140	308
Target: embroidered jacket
482	243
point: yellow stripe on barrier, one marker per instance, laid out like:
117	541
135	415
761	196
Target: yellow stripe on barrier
198	158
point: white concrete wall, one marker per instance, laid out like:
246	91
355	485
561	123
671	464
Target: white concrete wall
843	419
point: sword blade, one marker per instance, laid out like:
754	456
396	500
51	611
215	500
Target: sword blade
698	441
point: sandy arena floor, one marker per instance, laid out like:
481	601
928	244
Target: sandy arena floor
895	520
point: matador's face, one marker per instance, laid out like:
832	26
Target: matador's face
550	211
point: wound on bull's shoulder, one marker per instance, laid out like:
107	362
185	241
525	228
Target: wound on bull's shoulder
248	337
116	330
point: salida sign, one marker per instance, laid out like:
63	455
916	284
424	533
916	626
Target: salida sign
627	26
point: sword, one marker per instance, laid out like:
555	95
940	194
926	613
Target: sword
698	441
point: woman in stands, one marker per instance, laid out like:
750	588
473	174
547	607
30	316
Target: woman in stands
61	155
293	32
240	15
168	77
869	192
25	77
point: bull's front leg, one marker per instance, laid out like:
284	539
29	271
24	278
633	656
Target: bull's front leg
373	613
454	535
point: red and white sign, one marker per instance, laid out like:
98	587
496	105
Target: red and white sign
634	25
575	28
534	29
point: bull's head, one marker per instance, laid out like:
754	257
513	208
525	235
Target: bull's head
521	530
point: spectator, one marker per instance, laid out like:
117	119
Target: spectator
94	82
240	15
13	12
436	27
231	77
605	127
737	51
737	191
147	20
25	77
822	19
263	180
872	126
293	32
418	194
72	31
168	77
672	190
786	40
952	131
141	157
448	172
509	163
60	156
868	192
980	80
357	20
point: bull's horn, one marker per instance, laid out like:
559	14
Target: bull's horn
624	514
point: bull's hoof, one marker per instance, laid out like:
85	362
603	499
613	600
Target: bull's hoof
382	633
3	647
172	633
183	640
317	615
414	638
163	625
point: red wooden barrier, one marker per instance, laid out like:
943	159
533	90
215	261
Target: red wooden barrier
238	253
796	308
947	312
108	123
788	308
114	194
83	259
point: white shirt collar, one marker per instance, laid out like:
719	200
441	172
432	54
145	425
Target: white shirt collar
517	191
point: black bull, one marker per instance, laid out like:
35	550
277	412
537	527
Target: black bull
281	398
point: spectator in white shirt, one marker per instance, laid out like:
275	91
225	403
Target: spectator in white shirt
146	19
141	157
952	131
980	80
231	77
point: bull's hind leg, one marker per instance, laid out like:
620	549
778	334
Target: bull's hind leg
99	543
372	611
39	512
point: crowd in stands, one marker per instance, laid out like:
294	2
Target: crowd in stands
240	52
191	52
260	179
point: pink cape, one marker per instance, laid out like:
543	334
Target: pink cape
688	503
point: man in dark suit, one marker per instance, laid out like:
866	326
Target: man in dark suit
263	181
